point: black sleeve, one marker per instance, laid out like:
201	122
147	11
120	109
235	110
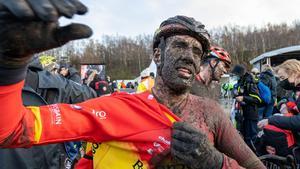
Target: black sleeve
288	123
79	92
252	99
68	90
12	75
76	78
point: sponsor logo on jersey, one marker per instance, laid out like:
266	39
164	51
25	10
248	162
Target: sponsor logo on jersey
76	107
158	147
150	151
56	114
164	140
100	114
138	165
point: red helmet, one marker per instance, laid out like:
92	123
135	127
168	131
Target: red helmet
220	53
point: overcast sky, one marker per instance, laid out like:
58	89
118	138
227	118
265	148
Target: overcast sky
134	17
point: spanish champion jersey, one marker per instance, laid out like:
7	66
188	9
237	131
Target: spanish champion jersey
126	155
132	129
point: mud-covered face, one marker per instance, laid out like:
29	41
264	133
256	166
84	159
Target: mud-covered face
220	70
182	57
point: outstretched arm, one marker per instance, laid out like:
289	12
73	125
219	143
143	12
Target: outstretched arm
96	120
288	123
28	27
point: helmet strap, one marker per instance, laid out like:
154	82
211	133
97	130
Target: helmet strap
213	69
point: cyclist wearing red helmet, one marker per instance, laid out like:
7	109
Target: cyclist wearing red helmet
215	64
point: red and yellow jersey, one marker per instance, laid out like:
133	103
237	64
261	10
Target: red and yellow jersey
132	129
108	154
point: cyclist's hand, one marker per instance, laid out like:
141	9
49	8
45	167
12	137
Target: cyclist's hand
193	148
31	26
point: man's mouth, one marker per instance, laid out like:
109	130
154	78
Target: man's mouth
184	72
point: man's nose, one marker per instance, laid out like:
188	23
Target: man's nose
225	71
188	58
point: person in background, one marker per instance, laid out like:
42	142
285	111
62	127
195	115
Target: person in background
248	97
136	84
267	77
255	73
128	85
110	83
289	75
122	85
147	81
227	89
100	86
114	85
92	76
213	67
53	69
69	73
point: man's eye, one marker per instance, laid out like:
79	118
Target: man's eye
197	51
179	45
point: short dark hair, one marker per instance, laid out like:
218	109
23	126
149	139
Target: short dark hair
152	74
239	70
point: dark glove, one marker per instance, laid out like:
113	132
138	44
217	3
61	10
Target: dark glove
45	10
31	26
192	147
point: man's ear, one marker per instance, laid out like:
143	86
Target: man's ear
157	56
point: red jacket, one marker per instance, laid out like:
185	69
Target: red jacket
132	124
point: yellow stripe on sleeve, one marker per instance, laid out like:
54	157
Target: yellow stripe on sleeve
170	118
255	96
37	123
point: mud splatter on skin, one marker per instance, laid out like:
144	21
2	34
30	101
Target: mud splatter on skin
204	114
181	52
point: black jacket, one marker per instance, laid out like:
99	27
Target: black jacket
268	78
73	75
247	87
41	87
